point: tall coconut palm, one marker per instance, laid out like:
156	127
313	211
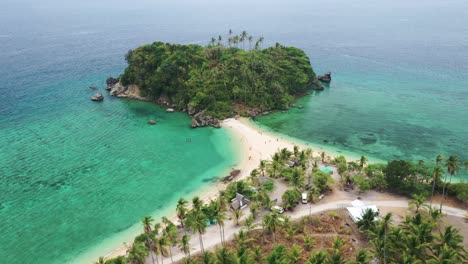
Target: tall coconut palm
196	203
453	166
147	222
322	156
137	253
436	176
262	167
161	245
220	216
171	233
184	245
181	211
271	222
250	39
237	215
297	179
197	223
386	224
296	151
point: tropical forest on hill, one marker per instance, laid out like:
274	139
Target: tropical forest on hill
223	78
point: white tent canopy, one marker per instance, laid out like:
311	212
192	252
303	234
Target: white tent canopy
358	209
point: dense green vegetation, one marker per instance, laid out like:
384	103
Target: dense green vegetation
264	235
221	78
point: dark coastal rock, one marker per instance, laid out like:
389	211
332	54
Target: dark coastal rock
170	110
300	107
97	97
326	78
191	110
202	120
93	87
318	87
152	122
112	81
163	100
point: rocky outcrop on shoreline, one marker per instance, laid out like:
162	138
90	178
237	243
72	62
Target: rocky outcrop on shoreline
115	88
97	97
199	118
326	78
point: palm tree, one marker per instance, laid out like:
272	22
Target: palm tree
271	222
451	238
100	261
322	156
275	167
249	224
242	240
386	223
237	215
444	255
196	203
319	257
147	222
220	216
362	161
224	256
137	253
296	151
235	41
435	178
336	257
250	38
417	202
171	233
312	194
367	220
294	254
212	41
207	258
184	244
297	179
263	167
197	222
181	211
259	42
453	166
161	244
362	257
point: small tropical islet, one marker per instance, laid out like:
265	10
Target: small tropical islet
141	141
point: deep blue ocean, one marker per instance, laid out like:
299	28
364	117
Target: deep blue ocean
74	174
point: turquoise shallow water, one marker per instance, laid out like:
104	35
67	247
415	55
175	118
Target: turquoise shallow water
72	178
74	173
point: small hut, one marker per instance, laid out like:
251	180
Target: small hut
239	202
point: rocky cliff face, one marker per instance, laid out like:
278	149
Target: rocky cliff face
199	118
